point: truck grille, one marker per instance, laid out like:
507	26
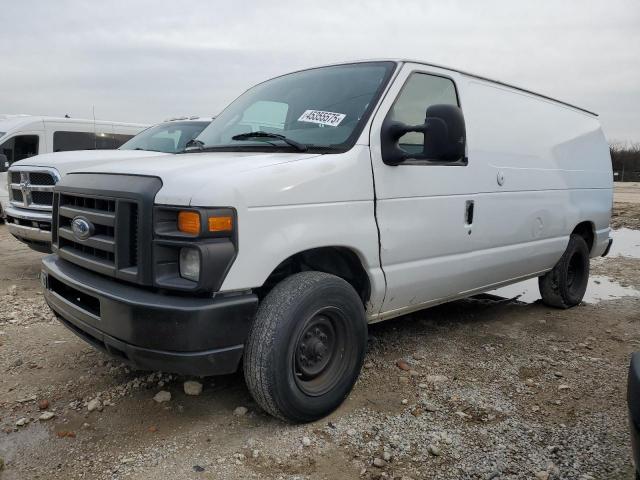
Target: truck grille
32	187
113	216
111	245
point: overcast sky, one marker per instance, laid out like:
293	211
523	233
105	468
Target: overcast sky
147	61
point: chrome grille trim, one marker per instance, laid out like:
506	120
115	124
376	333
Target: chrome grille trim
34	190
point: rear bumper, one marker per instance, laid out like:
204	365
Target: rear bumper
633	401
31	227
150	331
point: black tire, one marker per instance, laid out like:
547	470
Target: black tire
306	347
565	285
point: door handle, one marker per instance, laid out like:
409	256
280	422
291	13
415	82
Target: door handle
468	213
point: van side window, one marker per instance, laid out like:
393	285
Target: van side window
20	147
68	141
120	139
419	92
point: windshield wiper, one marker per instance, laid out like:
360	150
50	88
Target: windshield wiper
195	143
249	135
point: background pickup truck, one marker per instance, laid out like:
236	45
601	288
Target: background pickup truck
31	181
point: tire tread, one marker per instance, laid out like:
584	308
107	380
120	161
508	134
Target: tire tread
258	358
549	284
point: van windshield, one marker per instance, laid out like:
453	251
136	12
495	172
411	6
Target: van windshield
323	109
170	137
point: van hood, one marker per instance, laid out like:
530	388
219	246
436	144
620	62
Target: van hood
199	178
64	162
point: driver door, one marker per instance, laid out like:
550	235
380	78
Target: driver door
426	212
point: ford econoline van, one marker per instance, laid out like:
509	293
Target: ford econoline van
318	202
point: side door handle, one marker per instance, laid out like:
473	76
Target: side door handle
468	213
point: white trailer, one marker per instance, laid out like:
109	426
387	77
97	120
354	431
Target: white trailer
23	136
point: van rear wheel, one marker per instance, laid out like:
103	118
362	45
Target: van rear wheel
306	346
566	284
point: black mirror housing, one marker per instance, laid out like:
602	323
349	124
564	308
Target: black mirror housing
4	163
444	137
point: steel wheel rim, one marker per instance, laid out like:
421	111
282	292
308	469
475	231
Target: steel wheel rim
320	355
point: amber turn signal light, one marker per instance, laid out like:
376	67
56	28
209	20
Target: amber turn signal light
220	224
189	222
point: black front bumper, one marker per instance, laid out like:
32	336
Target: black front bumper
148	330
633	401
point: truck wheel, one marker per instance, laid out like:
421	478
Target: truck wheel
564	286
306	346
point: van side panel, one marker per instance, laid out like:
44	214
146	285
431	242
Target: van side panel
554	156
554	169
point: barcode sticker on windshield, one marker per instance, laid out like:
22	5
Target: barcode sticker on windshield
324	118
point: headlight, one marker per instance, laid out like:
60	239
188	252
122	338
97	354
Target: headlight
190	264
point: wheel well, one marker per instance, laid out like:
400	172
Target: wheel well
585	230
340	261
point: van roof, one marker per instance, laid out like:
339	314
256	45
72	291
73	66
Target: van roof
190	119
10	122
468	74
504	84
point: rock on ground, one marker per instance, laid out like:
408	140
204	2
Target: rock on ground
162	396
192	387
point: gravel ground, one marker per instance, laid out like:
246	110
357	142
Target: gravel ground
485	388
626	214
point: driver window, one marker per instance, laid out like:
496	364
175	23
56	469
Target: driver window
418	93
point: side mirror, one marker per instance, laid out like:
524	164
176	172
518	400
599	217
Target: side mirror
4	163
444	137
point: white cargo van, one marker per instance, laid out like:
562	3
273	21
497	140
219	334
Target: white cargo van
31	181
23	136
319	201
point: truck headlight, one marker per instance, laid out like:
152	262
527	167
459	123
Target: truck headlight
190	264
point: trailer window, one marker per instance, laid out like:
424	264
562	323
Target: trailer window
418	93
69	141
20	147
120	139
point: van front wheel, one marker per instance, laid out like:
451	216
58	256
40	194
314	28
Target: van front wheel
565	285
306	346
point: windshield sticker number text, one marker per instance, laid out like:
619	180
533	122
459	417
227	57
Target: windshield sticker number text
322	118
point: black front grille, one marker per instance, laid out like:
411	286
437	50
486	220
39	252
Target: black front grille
40	178
15	177
112	244
41	198
17	196
119	210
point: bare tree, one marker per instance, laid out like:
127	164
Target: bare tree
625	158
